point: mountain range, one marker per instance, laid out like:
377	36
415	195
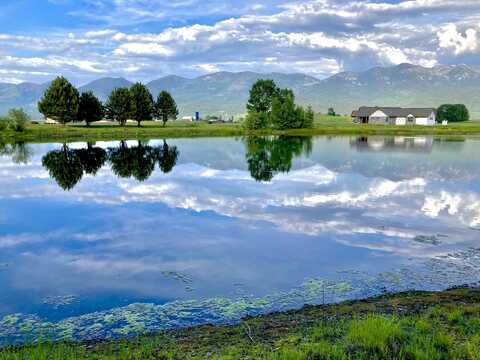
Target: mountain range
402	85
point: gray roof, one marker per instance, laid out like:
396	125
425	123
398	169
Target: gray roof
366	111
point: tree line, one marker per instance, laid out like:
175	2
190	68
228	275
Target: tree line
62	102
270	107
67	166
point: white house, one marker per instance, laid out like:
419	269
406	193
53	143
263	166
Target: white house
395	116
50	121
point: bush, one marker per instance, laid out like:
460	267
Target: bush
18	120
3	123
255	121
453	113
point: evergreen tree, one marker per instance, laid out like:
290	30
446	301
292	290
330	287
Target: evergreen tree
142	103
90	108
284	114
60	101
119	105
309	118
165	107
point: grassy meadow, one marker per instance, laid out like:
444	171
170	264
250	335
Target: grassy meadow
324	125
415	325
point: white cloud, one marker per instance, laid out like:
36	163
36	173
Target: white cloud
450	38
320	37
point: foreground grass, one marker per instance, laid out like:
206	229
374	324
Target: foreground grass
324	125
406	326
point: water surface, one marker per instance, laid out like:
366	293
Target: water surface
118	238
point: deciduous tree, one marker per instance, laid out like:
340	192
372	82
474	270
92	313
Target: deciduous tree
261	96
453	113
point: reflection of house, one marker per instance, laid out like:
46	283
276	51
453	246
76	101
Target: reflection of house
395	116
397	143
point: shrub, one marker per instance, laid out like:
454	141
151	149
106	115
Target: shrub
3	123
18	120
453	113
255	121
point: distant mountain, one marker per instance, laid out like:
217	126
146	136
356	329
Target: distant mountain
24	95
103	87
402	85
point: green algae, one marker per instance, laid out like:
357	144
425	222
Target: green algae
60	301
437	273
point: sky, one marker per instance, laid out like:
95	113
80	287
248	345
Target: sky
143	40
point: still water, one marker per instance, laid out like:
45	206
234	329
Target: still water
113	239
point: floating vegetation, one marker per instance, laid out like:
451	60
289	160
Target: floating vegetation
59	301
430	240
185	279
438	273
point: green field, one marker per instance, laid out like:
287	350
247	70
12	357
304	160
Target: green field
426	326
324	125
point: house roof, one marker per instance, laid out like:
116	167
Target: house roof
366	111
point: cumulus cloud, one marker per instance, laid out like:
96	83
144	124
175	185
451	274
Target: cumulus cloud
144	40
450	38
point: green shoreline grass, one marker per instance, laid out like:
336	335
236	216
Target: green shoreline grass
152	130
415	325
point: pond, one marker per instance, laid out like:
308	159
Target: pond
111	239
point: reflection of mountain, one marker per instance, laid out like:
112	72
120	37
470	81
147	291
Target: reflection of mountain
67	166
268	156
398	143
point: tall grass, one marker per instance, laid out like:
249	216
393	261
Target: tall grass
439	333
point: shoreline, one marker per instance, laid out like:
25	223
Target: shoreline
326	329
71	133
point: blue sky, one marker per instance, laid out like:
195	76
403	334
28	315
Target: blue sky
147	39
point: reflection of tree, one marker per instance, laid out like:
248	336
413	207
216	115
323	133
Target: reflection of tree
139	161
20	152
268	156
64	166
92	159
167	157
67	166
